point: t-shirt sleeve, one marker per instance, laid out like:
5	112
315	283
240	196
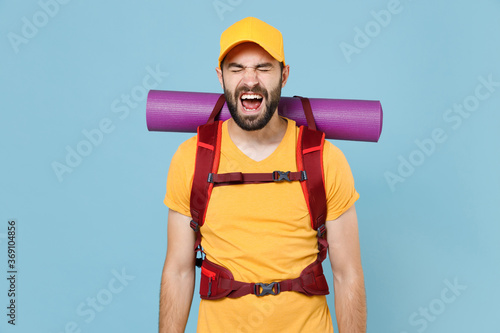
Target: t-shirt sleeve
339	182
180	178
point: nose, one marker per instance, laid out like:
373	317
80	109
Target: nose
250	78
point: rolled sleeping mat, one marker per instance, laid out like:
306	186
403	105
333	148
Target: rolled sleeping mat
340	119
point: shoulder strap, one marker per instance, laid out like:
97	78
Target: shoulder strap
310	158
306	106
206	162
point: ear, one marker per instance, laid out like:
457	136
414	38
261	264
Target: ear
284	75
219	76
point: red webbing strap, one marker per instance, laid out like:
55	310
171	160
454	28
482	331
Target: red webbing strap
306	105
234	178
244	288
310	159
207	161
310	282
217	108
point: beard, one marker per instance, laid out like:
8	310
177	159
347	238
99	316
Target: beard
258	121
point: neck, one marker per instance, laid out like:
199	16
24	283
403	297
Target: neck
261	143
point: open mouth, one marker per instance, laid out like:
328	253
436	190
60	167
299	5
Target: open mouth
251	102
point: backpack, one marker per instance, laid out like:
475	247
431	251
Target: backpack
217	281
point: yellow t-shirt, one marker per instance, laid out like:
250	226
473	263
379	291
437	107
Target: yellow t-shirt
262	233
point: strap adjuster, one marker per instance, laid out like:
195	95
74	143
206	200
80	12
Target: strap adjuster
199	259
195	226
199	256
279	176
210	178
266	289
321	230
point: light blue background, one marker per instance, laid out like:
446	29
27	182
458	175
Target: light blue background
441	224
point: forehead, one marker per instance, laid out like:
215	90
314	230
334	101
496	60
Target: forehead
249	54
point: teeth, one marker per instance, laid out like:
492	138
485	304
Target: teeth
248	96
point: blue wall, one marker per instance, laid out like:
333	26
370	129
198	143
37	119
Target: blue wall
91	230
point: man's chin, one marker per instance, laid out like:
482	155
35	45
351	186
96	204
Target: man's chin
250	122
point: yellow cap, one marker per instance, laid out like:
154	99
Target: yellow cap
251	29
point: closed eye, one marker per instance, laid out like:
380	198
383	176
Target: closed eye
264	68
237	68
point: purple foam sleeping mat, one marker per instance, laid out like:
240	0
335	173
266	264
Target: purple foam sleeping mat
340	119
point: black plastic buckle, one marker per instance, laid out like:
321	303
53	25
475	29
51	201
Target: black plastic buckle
199	256
195	226
210	178
279	176
198	261
321	230
303	175
267	289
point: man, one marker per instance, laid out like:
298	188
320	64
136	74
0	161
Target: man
260	232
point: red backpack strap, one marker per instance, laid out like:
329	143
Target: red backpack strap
310	158
217	108
233	178
206	162
306	106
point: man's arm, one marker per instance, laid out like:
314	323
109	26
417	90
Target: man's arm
345	258
178	277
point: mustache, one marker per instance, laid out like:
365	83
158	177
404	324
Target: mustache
257	89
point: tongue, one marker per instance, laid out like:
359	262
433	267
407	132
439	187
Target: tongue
251	103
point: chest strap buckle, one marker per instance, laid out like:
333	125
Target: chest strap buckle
266	289
279	176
